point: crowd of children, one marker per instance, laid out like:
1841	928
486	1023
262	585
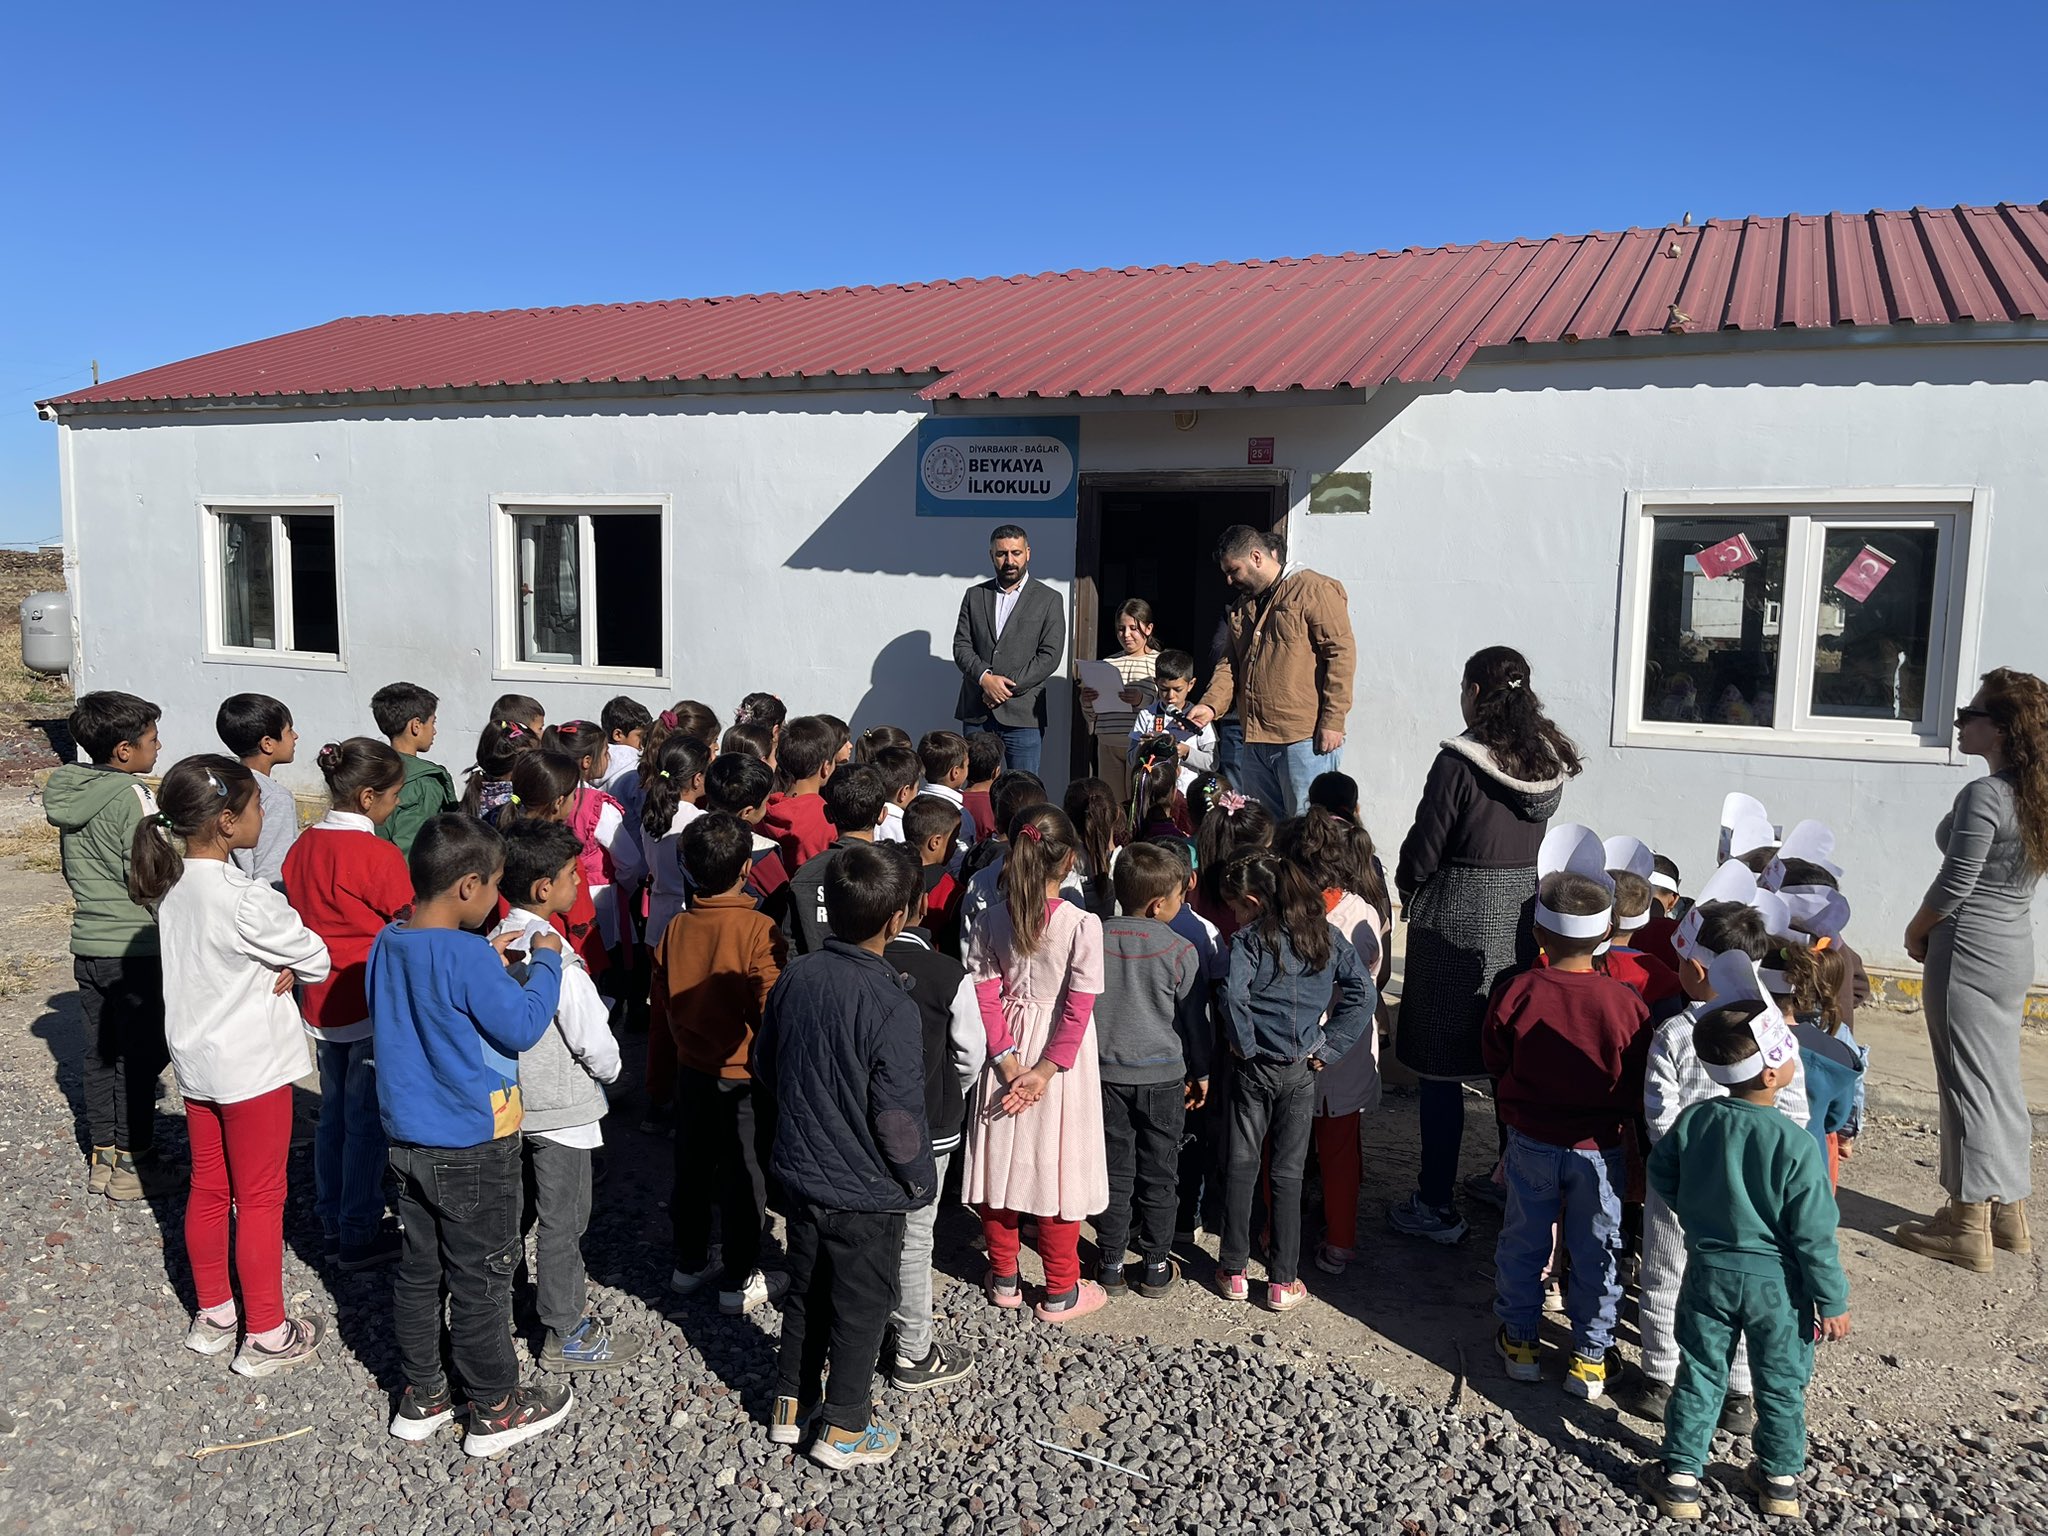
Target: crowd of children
873	969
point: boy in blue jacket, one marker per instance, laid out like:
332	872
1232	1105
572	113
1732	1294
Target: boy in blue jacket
449	1024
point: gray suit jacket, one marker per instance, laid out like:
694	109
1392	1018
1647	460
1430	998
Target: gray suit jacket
1032	646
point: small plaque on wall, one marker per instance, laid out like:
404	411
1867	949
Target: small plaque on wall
1344	491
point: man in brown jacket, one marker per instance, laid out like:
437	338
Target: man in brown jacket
1288	669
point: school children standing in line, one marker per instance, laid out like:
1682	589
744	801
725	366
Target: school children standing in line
855	811
257	730
407	715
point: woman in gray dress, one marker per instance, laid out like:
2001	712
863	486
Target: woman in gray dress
1974	934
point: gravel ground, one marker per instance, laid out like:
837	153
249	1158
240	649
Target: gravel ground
1378	1408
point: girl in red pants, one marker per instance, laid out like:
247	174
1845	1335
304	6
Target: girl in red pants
233	949
1036	1142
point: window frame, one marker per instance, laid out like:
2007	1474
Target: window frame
505	511
1961	514
216	649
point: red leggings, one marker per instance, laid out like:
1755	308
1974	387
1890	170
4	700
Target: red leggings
1337	1151
238	1161
1059	1247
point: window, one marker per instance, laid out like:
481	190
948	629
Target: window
1831	625
584	585
273	582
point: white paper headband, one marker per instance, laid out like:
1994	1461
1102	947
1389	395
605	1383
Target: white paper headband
1663	882
1574	925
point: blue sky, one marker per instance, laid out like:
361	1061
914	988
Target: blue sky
179	179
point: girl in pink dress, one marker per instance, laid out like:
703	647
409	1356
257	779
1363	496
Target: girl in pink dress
1035	1143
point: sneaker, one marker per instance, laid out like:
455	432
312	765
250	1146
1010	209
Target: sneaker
1586	1377
1285	1298
688	1282
788	1420
1332	1260
1412	1218
99	1168
1676	1494
129	1179
759	1291
420	1416
1088	1297
1155	1280
939	1368
529	1411
1523	1357
1486	1190
1738	1413
1646	1398
1774	1495
301	1339
1006	1291
385	1248
1111	1279
206	1337
1232	1285
836	1447
590	1346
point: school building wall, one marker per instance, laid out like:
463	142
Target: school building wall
1498	508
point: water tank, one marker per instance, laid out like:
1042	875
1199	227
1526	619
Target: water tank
46	632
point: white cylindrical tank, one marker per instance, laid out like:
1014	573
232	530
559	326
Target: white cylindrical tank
46	632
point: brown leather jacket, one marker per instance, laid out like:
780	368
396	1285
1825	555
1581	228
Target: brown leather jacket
1290	661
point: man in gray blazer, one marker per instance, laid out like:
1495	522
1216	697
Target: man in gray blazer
1011	637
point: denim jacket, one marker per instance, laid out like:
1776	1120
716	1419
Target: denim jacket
1274	1008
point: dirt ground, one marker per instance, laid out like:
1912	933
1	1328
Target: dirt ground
1933	1349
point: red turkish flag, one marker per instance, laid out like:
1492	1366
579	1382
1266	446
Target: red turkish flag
1864	573
1728	555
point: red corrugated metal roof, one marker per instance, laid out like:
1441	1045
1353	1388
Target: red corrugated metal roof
1316	323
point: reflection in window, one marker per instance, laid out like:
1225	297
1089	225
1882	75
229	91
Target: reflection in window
248	593
1876	622
1717	596
550	589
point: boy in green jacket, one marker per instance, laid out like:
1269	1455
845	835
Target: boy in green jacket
115	961
1751	1191
405	712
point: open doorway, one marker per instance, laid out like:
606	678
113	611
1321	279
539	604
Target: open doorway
1153	536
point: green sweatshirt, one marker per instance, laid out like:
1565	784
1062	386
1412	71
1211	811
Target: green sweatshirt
1751	1191
428	792
96	811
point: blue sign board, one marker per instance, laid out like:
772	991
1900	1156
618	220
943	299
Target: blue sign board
1002	467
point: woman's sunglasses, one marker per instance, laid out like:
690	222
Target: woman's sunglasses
1965	715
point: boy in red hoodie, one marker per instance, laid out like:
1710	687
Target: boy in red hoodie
797	822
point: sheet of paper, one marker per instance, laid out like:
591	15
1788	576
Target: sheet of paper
1102	677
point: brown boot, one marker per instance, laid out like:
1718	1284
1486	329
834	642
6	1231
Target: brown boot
2009	1227
1942	1222
1964	1242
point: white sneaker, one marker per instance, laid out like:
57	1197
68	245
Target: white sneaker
760	1291
684	1283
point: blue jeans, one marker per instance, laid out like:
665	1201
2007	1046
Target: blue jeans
1582	1189
1280	774
1021	743
348	1147
1230	751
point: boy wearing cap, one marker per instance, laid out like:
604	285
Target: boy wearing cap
1751	1191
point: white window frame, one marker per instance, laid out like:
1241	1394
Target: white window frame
211	510
505	511
1964	515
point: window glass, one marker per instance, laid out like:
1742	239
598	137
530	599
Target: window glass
316	593
627	549
1875	624
1717	596
550	589
248	604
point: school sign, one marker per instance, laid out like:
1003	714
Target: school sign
997	466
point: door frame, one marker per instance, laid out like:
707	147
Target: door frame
1277	483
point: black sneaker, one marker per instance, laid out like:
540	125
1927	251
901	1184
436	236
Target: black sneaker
1645	1397
1676	1494
1155	1280
421	1415
1111	1278
529	1411
384	1248
1738	1413
1774	1495
940	1367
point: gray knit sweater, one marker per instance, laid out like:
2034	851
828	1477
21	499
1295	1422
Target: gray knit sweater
1152	1020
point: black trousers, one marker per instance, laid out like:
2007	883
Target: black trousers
1141	1130
122	1000
1204	1153
460	1209
843	1269
1276	1098
721	1152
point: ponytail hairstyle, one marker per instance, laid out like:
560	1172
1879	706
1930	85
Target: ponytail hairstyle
680	763
498	746
1092	809
583	740
2018	705
1796	963
754	740
1042	846
1830	975
541	779
764	710
1233	826
358	764
876	737
1508	719
686	716
1335	854
189	801
1155	780
1290	909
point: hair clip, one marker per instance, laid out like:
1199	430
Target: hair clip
165	822
219	788
668	718
512	800
1229	802
664	773
1514	683
1030	830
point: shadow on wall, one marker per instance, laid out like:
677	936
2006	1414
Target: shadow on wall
876	528
911	685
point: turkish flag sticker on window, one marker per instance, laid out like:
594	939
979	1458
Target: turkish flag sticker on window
1868	568
1727	556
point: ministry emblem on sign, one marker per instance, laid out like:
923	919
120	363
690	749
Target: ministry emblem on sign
944	468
